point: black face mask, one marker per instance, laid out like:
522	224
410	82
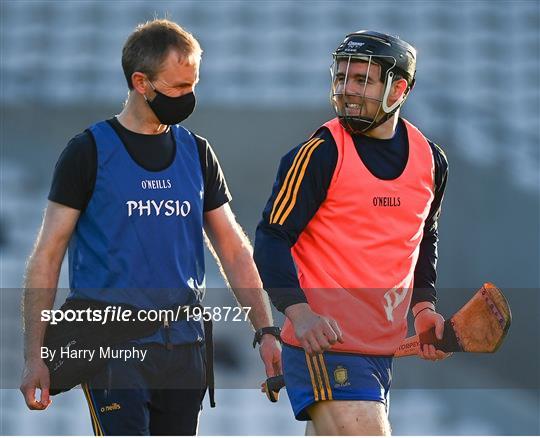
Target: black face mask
171	110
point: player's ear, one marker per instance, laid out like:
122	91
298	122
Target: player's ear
140	82
399	86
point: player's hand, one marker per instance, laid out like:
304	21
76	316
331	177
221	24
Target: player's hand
36	375
425	321
316	333
270	351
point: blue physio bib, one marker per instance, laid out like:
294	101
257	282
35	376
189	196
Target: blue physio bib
140	239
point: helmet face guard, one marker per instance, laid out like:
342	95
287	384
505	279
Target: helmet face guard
353	103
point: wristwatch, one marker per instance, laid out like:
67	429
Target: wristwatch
274	331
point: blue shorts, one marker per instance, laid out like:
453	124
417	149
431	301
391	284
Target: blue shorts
334	376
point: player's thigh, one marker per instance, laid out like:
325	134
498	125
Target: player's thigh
310	429
349	417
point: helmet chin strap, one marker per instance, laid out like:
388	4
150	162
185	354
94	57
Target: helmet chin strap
388	109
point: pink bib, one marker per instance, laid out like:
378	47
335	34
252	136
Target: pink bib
356	257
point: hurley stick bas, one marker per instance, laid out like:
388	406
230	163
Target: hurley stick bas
478	327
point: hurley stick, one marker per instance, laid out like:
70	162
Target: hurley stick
478	327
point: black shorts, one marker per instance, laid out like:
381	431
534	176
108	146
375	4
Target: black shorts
160	395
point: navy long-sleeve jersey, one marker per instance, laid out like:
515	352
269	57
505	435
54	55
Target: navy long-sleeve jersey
385	159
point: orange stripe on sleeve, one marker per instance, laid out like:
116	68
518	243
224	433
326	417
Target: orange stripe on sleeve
298	182
288	179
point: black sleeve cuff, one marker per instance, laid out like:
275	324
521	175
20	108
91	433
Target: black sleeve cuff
216	202
284	297
423	294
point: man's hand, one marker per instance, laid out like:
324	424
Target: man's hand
36	375
425	320
270	351
315	333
